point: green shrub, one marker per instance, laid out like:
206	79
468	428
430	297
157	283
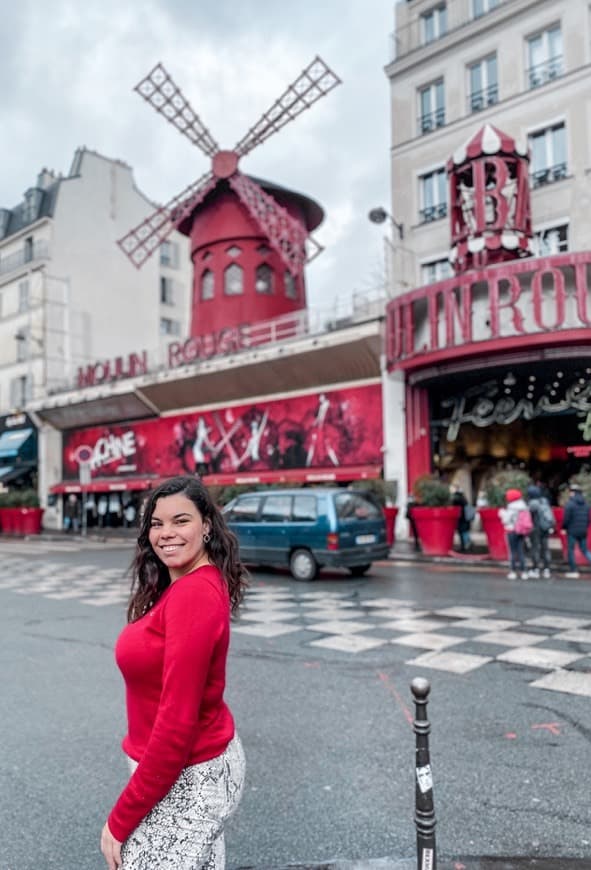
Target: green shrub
430	491
28	498
508	478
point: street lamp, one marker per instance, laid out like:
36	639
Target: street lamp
380	215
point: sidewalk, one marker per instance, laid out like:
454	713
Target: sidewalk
455	864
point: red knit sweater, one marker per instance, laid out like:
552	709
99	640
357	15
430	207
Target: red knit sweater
173	661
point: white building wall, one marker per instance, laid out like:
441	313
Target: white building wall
519	111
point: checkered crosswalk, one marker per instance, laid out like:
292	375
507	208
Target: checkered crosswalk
56	580
456	639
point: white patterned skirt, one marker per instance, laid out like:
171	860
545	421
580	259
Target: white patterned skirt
185	830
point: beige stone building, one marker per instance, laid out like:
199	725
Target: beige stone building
521	65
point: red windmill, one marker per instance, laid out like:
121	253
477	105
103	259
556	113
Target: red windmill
247	236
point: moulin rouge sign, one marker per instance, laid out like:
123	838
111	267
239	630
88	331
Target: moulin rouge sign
179	353
529	297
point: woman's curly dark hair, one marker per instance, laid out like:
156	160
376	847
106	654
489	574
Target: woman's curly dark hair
150	577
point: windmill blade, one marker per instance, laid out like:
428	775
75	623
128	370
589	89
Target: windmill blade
284	232
314	82
313	248
159	90
140	243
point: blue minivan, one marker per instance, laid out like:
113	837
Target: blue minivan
307	529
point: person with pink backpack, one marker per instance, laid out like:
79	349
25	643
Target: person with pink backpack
517	522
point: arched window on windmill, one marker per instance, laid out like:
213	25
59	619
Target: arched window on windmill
264	279
207	284
291	287
234	280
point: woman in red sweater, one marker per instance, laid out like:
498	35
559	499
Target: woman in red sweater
186	761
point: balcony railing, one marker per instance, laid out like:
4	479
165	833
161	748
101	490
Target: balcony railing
430	122
545	72
548	175
479	100
29	254
433	212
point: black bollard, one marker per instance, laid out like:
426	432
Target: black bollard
424	811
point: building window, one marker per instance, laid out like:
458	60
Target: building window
484	88
23	296
22	344
291	287
28	249
166	290
207	284
169	327
549	241
169	255
20	391
436	270
433	195
233	280
434	23
481	7
264	279
234	251
431	107
544	55
548	155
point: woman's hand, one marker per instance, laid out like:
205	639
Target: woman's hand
111	849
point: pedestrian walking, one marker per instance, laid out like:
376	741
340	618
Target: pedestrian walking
465	517
543	526
575	523
516	520
185	757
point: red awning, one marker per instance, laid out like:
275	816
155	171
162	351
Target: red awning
107	484
290	475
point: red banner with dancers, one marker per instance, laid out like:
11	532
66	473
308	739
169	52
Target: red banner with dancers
334	429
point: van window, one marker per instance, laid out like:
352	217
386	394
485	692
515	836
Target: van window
352	506
277	509
304	508
245	510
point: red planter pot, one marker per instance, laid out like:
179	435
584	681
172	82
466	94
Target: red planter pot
29	520
495	533
436	527
8	520
390	514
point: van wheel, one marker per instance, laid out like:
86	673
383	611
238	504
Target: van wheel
359	570
303	565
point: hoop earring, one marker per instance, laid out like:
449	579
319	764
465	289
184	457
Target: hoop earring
206	538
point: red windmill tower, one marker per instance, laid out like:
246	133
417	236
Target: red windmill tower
249	238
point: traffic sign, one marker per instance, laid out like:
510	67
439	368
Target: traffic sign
83	453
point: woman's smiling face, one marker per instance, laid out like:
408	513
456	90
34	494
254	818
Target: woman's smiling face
176	534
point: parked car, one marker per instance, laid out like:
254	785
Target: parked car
307	529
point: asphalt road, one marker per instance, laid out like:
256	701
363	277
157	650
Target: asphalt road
327	730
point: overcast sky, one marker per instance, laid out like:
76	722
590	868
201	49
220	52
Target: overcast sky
67	70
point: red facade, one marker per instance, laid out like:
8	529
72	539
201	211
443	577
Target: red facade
238	276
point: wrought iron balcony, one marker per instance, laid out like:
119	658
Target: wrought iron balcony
431	121
548	175
545	72
479	100
433	212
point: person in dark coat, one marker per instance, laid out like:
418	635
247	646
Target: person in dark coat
575	522
463	526
539	537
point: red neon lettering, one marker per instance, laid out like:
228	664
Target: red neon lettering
538	296
484	194
496	306
138	365
458	311
582	293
